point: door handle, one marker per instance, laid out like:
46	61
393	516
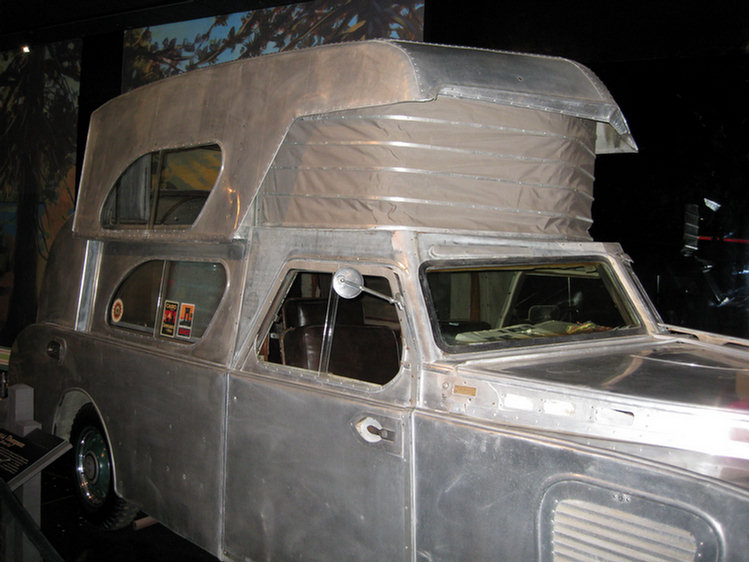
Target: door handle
372	431
53	349
56	350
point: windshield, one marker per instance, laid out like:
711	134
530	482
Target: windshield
473	305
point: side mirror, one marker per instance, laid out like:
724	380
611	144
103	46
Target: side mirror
348	283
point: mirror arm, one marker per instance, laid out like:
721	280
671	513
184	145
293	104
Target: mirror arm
395	301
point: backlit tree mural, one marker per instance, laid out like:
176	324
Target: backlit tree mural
158	52
38	123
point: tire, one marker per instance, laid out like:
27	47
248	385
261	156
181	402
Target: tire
93	481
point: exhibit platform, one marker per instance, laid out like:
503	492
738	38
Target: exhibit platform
77	541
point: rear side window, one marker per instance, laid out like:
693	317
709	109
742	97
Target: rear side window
163	189
169	299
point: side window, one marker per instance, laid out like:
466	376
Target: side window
135	302
484	304
170	299
362	334
167	188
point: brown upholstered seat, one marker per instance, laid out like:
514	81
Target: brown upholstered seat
303	311
366	353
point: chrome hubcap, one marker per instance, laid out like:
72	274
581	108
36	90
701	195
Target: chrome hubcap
92	467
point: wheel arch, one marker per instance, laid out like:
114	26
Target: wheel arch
78	416
70	403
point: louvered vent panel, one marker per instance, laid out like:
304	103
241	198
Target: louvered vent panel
587	532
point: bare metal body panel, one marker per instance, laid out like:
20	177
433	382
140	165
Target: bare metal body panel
396	160
294	452
149	403
517	482
679	371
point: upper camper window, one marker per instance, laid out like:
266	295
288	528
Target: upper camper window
172	299
475	306
314	329
167	188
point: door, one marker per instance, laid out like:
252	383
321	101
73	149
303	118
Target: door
317	461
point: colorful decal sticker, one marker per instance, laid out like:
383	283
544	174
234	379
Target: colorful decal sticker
186	313
169	318
118	309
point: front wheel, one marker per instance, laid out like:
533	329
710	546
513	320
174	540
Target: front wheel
93	475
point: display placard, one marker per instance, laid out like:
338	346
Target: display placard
23	457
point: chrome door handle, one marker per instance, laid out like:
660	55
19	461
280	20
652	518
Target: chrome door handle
372	431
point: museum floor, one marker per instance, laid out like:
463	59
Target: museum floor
77	541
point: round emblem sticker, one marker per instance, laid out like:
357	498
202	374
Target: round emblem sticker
118	308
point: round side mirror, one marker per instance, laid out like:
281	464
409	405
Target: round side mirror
348	282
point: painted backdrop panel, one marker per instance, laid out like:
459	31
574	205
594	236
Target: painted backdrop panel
152	53
38	127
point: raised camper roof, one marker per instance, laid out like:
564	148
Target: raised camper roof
373	134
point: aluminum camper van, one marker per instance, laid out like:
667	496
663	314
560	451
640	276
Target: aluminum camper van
341	304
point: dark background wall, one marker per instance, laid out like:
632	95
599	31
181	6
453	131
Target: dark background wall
680	72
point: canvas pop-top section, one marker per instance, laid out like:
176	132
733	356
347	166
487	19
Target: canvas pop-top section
448	164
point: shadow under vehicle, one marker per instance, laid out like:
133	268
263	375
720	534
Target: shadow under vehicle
342	304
